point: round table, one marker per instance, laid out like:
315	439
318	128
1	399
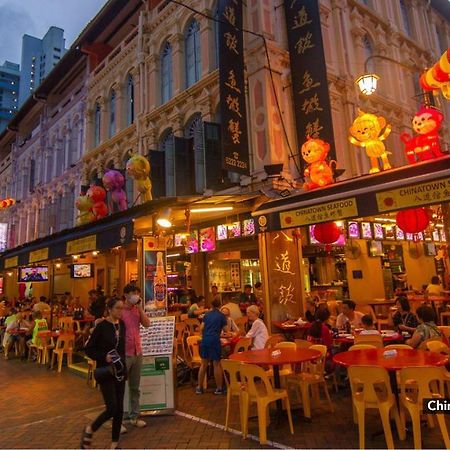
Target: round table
290	328
52	333
264	358
394	337
404	358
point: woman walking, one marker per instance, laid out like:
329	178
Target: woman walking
107	347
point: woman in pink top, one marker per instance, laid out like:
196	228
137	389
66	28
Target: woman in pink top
320	333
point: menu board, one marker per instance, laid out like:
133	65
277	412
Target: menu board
366	230
157	339
400	234
353	230
378	231
249	227
222	232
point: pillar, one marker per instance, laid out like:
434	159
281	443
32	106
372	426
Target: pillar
177	43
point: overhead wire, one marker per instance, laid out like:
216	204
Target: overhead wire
269	66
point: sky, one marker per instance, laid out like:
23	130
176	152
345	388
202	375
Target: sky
34	17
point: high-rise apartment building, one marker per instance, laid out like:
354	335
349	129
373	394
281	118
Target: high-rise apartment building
9	92
39	56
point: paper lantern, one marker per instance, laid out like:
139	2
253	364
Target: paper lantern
6	203
327	233
413	220
438	77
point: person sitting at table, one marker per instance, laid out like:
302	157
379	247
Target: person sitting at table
434	288
77	309
37	325
197	308
311	309
349	314
403	319
11	336
235	311
42	305
427	328
231	329
258	331
248	296
368	326
319	332
213	325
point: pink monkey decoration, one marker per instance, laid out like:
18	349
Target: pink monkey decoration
113	181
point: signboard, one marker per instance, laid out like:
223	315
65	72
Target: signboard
11	262
81	245
232	87
38	255
325	212
157	339
414	196
3	236
309	72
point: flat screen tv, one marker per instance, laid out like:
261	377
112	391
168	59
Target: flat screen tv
375	248
33	274
430	249
82	271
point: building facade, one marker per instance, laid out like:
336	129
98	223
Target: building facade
9	92
39	56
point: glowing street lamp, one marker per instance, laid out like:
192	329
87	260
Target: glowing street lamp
367	83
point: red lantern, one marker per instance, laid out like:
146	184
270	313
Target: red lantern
327	233
413	220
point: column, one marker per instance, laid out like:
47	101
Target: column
153	95
208	44
120	108
178	70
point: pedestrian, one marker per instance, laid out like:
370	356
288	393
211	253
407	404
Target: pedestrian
134	316
107	347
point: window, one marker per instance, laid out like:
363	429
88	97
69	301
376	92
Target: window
405	17
166	145
112	114
130	100
166	73
32	174
97	119
368	52
192	53
194	129
74	144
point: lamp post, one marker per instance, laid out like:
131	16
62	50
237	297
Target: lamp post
367	83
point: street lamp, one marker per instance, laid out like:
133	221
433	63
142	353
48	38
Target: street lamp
367	83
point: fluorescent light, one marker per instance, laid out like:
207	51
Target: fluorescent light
173	255
382	219
212	209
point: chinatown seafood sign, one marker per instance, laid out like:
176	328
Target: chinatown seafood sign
309	74
232	88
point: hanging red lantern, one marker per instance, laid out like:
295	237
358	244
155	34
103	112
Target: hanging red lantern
413	221
327	233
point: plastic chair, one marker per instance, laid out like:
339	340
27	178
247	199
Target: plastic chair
181	333
370	339
262	393
416	384
362	347
438	347
445	330
312	377
232	375
240	323
64	346
398	347
273	340
371	389
184	317
243	345
65	324
193	326
46	345
92	365
286	369
424	344
301	343
193	359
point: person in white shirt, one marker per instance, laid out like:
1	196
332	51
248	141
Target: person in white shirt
235	311
231	328
367	323
258	332
349	314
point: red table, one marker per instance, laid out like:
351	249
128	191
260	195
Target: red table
264	358
53	334
18	331
290	329
395	337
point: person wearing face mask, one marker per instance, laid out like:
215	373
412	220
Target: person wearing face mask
133	317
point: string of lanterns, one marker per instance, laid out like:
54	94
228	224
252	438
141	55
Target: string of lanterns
6	203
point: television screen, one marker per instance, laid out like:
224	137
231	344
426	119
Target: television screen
207	239
33	274
378	231
389	231
192	242
249	227
400	234
234	230
222	232
82	271
366	230
353	230
375	248
430	249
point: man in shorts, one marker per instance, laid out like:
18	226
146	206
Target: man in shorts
210	349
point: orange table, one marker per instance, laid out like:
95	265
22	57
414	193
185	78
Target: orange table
287	356
52	333
394	337
290	329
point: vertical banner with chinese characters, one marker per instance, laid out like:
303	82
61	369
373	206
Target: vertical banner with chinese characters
232	88
309	73
284	276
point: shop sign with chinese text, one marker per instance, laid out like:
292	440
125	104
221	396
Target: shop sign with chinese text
232	88
325	212
416	195
11	262
38	255
309	73
81	245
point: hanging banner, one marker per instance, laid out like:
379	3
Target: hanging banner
232	88
154	270
309	73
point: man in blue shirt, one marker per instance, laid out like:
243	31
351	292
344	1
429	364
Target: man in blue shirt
210	349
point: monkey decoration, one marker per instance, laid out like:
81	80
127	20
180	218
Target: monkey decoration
425	145
369	131
138	167
314	152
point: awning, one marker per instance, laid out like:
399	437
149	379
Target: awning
421	184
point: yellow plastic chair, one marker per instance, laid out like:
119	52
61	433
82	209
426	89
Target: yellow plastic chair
65	324
193	359
92	365
232	375
398	347
371	389
181	334
417	383
445	330
301	343
362	347
286	369
438	347
64	346
424	344
260	391
311	378
243	345
240	323
273	340
46	345
370	339
193	326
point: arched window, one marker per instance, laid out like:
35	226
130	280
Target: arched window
112	114
166	73
368	52
130	100
97	124
194	130
129	183
167	145
406	19
192	52
74	144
